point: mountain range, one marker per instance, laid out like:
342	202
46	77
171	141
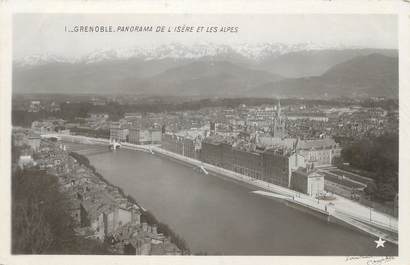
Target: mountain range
244	51
373	75
274	70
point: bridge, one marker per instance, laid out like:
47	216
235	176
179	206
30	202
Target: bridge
77	139
114	145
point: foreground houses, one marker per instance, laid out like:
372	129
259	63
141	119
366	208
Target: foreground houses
99	210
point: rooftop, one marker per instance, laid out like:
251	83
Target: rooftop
304	172
266	141
316	143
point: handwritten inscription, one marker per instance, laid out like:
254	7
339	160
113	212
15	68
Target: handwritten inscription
370	260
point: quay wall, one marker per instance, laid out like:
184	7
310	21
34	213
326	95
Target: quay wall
308	209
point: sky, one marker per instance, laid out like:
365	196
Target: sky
36	34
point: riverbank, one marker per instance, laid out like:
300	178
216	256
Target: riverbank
99	210
146	215
217	216
349	213
318	208
368	220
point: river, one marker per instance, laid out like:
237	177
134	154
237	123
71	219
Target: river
218	216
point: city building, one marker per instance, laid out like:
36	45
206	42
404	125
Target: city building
35	106
79	214
267	141
318	152
278	165
18	139
185	146
134	136
313	116
129	115
54	107
308	181
145	136
245	162
43	127
118	133
212	150
117	218
98	115
34	140
64	131
273	165
25	161
98	102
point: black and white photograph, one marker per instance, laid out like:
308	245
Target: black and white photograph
205	135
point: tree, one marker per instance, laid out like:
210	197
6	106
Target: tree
379	156
41	221
32	232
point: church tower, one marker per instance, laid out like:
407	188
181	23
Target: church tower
278	129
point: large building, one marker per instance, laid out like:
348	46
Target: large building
144	136
43	127
318	152
118	133
183	145
212	150
247	163
34	141
272	165
278	165
134	136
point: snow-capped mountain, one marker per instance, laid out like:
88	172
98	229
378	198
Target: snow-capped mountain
40	59
209	70
253	52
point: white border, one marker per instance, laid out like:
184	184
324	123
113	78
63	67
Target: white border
7	8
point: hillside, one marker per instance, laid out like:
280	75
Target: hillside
364	76
98	77
205	78
314	62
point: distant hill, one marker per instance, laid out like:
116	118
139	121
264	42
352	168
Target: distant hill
314	62
205	78
98	77
363	76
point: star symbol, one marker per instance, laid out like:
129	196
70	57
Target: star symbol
380	242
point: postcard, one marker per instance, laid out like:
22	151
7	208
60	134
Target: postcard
270	133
